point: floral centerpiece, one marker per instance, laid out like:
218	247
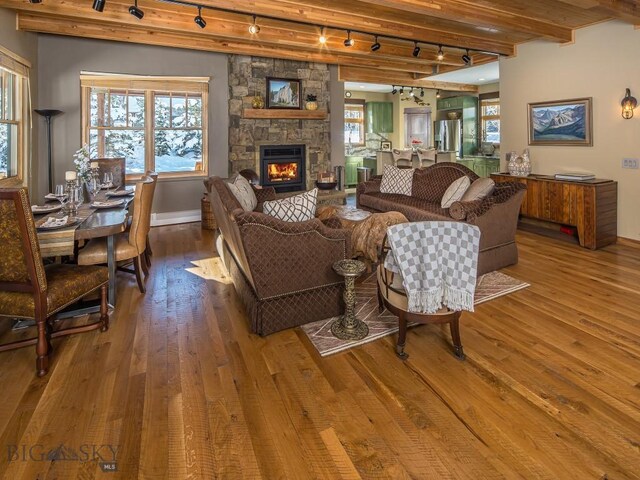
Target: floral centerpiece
82	162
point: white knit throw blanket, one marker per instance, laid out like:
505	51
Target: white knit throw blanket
438	262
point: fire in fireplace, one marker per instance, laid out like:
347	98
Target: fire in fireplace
283	167
282	172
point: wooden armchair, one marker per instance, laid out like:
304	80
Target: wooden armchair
129	245
30	290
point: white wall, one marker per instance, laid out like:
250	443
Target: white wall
601	63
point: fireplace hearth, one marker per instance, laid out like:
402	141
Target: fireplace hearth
283	167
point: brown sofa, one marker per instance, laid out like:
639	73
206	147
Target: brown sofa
496	215
282	271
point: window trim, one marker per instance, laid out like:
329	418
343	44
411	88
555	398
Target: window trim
150	86
363	123
18	66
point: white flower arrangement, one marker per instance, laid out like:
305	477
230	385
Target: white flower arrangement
82	161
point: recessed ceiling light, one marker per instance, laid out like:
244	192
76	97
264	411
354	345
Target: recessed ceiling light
361	86
481	79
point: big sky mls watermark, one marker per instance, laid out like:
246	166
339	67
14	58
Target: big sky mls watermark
105	454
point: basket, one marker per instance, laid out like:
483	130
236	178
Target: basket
208	220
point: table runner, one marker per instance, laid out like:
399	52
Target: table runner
55	243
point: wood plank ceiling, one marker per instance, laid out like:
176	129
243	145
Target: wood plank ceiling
291	29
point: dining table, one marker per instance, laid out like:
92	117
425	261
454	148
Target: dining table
93	223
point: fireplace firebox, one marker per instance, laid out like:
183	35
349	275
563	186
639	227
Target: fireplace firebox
283	167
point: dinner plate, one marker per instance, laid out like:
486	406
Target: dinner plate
108	204
40	209
51	196
120	193
70	222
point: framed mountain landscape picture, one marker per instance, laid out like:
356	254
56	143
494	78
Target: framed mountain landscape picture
564	122
283	93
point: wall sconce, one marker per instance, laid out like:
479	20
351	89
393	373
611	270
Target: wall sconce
628	104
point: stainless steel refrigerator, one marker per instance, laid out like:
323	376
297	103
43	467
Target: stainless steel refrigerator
448	136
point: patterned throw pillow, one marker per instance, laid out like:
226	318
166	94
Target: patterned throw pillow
455	191
397	180
479	189
298	208
241	189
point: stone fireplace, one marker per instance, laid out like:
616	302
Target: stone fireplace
248	137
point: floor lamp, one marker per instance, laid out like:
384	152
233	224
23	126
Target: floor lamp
48	115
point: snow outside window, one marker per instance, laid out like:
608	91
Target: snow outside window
158	129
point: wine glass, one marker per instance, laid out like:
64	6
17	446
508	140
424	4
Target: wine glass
93	187
60	194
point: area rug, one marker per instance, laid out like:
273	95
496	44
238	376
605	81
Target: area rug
489	287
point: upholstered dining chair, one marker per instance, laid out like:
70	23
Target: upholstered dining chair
30	290
115	166
148	252
402	158
426	157
129	245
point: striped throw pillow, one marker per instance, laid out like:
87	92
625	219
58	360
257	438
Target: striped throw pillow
455	191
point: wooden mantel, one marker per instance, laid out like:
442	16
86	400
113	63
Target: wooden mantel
285	114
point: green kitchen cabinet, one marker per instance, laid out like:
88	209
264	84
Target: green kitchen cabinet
351	165
467	162
482	166
451	103
379	117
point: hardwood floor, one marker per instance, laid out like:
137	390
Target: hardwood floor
550	388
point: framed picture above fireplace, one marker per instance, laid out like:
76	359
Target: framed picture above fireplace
283	93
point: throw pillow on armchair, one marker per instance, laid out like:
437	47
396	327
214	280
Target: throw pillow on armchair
298	208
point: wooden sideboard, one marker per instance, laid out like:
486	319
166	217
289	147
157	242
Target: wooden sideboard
590	206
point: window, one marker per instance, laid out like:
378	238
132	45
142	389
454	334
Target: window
490	119
12	124
157	124
354	123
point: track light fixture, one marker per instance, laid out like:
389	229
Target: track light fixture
35	1
416	49
411	92
254	28
422	92
401	90
394	91
135	11
466	58
375	46
437	93
98	5
322	39
199	20
440	55
349	42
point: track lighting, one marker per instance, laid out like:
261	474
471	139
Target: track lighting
416	49
411	92
401	90
199	20
135	11
349	42
628	104
376	46
35	1
437	93
466	58
98	5
440	55
422	92
254	28
322	39
394	91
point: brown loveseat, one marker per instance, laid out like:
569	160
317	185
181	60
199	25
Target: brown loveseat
282	271
496	215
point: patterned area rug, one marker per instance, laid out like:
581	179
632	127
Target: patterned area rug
489	286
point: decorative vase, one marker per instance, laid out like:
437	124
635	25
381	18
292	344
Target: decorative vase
257	102
311	105
519	165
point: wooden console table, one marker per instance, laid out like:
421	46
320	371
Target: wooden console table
590	206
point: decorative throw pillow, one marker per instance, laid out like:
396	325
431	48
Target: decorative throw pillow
397	180
241	189
455	191
479	189
298	208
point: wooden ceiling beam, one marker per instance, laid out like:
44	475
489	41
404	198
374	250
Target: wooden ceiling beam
628	11
468	12
140	34
369	75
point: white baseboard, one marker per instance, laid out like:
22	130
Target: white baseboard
172	218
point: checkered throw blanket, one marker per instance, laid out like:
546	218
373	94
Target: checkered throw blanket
438	263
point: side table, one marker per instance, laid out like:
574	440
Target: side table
348	327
